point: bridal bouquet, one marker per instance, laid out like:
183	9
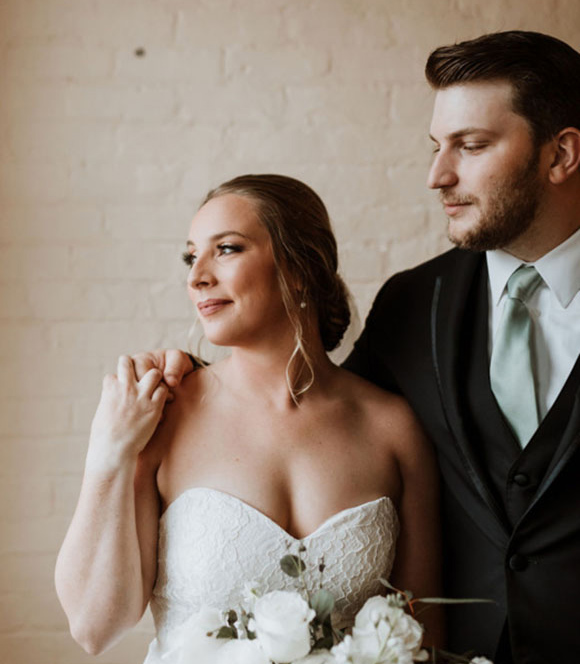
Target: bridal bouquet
289	627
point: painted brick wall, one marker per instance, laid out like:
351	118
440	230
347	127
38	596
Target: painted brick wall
116	116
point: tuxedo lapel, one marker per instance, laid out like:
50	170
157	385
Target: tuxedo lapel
448	311
569	442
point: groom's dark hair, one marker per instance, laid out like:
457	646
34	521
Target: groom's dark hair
544	73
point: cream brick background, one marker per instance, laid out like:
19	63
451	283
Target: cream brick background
104	155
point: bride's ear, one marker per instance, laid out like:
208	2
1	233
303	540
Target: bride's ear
566	155
295	284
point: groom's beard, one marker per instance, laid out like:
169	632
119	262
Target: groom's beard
509	211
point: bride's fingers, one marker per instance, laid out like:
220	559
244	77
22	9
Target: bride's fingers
160	394
150	381
126	370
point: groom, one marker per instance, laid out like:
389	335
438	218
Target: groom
496	382
487	352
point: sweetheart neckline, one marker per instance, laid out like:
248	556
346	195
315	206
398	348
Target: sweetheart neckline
331	519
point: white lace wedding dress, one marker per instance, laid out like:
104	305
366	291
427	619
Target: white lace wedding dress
211	544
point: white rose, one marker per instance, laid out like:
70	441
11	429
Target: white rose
250	593
373	627
480	660
318	657
342	652
241	651
281	623
197	647
350	652
409	631
383	632
395	651
375	609
370	645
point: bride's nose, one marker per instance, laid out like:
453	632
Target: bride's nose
201	273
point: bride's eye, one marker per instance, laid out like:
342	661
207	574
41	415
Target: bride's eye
226	248
188	258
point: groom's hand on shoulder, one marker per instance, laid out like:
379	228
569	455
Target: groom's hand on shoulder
173	363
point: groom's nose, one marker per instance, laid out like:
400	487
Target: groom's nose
443	172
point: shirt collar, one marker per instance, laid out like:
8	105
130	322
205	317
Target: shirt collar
559	268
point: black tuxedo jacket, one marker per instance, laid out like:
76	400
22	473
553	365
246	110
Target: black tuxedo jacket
511	518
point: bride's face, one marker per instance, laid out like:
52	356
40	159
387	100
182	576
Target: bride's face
233	279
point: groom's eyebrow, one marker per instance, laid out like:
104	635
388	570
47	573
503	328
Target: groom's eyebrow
467	131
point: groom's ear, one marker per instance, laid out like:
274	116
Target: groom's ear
565	156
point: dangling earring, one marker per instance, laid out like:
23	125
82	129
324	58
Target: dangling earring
303	304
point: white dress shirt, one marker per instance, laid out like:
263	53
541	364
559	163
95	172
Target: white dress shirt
554	309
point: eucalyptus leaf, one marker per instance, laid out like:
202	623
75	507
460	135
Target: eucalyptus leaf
326	642
339	635
292	566
227	633
408	594
323	603
232	617
329	632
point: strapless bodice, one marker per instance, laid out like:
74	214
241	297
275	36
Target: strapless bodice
212	544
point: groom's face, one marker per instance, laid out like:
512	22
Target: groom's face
485	165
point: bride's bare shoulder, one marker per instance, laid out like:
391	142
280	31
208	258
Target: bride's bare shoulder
186	412
197	387
368	394
389	414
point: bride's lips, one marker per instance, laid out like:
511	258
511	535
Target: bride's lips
211	306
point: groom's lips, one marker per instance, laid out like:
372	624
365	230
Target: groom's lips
212	306
453	207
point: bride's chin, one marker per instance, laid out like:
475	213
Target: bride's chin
221	341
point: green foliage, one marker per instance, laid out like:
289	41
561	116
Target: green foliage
292	566
227	633
323	603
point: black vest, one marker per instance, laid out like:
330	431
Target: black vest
513	473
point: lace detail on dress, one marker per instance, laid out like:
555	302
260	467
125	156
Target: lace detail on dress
211	544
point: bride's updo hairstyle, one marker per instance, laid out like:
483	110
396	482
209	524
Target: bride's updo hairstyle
305	253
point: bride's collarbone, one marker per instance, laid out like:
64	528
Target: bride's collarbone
270	422
256	436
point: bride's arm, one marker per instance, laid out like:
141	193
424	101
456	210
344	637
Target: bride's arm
106	567
418	559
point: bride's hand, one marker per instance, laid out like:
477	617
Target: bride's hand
127	415
174	363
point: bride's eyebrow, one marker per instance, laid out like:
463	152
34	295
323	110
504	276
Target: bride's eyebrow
219	236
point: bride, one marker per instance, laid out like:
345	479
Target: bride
271	448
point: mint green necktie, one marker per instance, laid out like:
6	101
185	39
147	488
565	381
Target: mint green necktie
511	370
